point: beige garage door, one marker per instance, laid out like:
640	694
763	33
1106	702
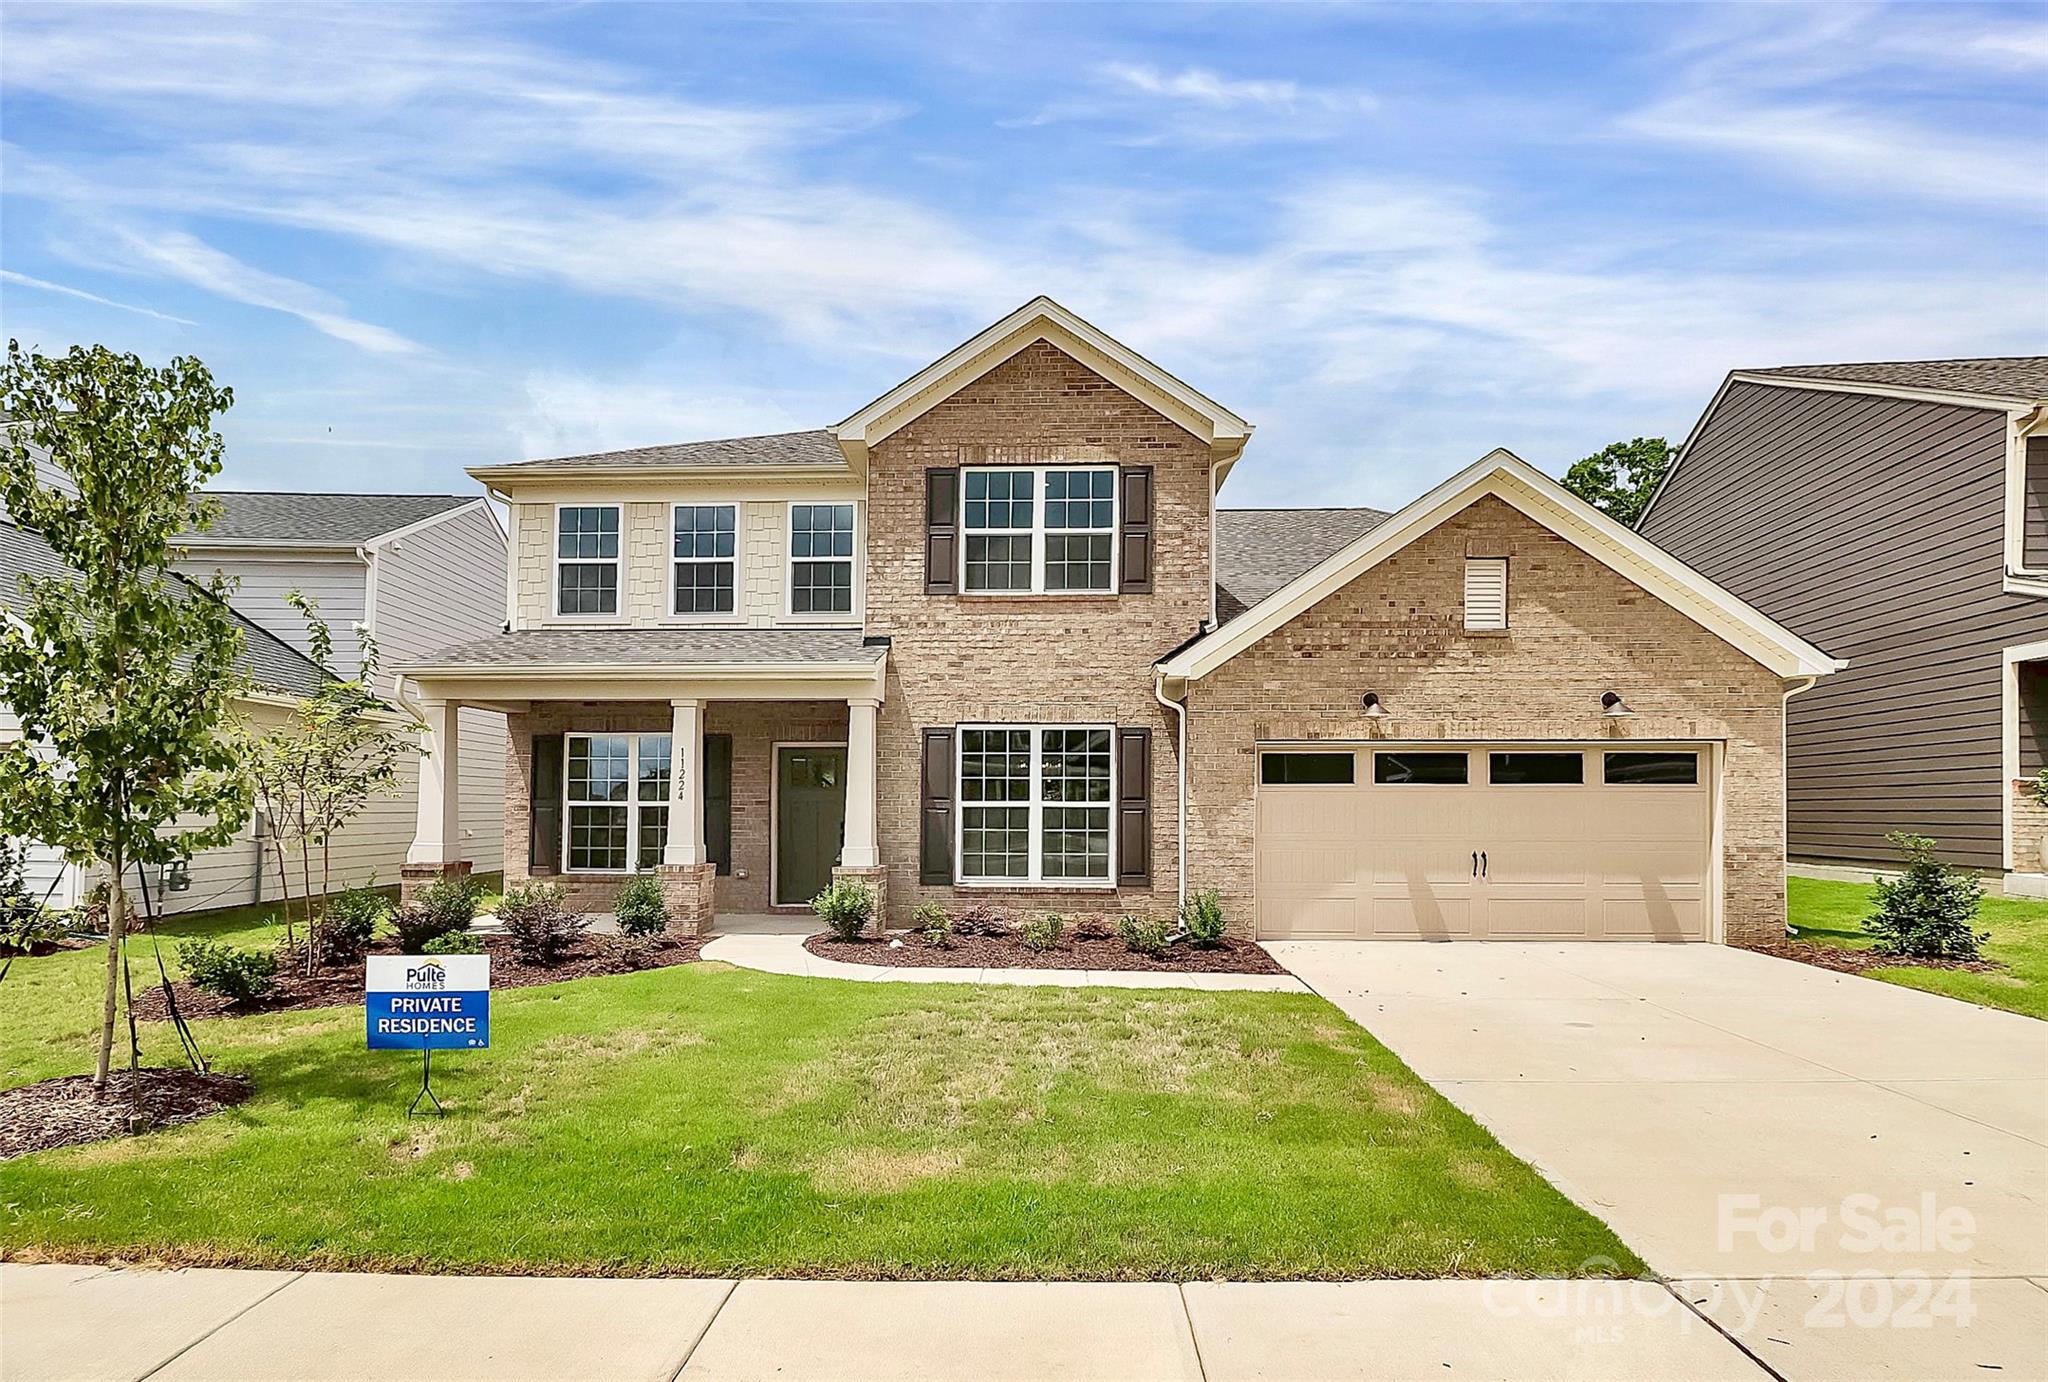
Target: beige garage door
1500	841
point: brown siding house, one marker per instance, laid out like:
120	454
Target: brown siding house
1894	515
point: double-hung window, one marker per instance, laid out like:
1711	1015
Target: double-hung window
1045	530
616	791
587	559
821	558
1035	803
705	546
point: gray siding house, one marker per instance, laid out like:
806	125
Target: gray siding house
1895	514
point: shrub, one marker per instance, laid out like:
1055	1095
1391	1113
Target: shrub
641	908
1201	919
26	927
1926	912
981	920
350	924
937	925
845	906
445	905
539	923
235	974
1043	933
454	943
1144	935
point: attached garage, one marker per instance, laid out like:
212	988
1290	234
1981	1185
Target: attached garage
1445	841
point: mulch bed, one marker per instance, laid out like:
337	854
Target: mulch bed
67	1111
591	955
1846	961
1084	947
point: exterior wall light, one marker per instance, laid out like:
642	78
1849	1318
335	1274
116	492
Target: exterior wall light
1613	707
1373	709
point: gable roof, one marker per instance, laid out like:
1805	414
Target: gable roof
1042	319
2000	378
815	448
276	518
268	661
1260	550
1506	476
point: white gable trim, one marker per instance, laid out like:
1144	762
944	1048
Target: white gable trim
1040	319
446	515
1507	477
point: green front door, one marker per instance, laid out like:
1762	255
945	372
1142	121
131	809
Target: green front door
810	820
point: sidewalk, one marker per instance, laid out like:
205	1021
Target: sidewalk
60	1322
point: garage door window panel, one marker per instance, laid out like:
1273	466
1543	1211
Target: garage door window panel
1421	769
1522	769
1652	769
1307	769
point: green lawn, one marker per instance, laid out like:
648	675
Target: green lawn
1832	914
704	1119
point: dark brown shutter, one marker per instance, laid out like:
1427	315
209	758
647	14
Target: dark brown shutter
941	529
718	800
544	813
1137	530
935	803
1134	808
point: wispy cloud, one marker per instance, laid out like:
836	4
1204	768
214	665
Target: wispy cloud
44	285
1201	85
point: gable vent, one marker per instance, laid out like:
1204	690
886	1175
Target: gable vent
1486	592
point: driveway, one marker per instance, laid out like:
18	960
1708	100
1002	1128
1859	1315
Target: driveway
1737	1117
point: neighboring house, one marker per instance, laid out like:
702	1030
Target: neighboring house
279	676
1897	514
416	571
990	640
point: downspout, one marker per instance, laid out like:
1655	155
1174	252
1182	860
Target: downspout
1180	711
1800	687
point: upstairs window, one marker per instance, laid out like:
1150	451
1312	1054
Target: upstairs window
705	545
1486	593
587	559
1049	530
821	558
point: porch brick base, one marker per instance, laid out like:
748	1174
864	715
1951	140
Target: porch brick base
877	880
688	890
412	878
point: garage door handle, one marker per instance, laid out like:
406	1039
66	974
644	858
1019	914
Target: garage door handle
1475	863
1482	863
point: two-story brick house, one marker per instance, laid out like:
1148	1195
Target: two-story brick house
990	639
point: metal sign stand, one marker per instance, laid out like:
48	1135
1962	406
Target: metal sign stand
426	1085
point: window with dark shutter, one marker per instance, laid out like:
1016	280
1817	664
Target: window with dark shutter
941	530
544	806
1134	807
935	809
1136	557
718	801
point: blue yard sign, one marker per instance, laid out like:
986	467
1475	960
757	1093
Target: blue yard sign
428	1002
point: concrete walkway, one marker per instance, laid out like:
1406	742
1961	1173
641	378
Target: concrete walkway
1736	1117
60	1322
779	949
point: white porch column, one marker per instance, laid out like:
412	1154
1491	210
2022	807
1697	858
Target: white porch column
861	850
437	838
685	784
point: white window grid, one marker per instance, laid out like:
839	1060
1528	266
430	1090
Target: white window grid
708	549
595	550
846	573
640	797
1088	517
1051	789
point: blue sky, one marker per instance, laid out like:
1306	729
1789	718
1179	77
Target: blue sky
414	239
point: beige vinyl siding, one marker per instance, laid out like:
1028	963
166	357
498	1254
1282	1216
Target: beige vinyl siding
337	583
1874	527
438	585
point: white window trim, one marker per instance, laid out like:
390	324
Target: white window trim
1035	823
739	594
1038	532
789	560
557	561
632	803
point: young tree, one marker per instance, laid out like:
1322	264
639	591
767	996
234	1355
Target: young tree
317	771
1619	479
121	673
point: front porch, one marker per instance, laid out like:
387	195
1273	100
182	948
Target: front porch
745	789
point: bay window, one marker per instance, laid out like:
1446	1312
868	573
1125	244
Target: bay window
1039	530
1035	803
616	791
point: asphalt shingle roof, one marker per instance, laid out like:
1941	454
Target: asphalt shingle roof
2006	376
1260	550
321	519
270	663
655	648
776	448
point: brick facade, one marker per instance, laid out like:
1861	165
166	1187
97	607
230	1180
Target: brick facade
2029	828
1577	629
1059	660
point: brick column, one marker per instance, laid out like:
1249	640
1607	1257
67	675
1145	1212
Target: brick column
876	879
688	889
